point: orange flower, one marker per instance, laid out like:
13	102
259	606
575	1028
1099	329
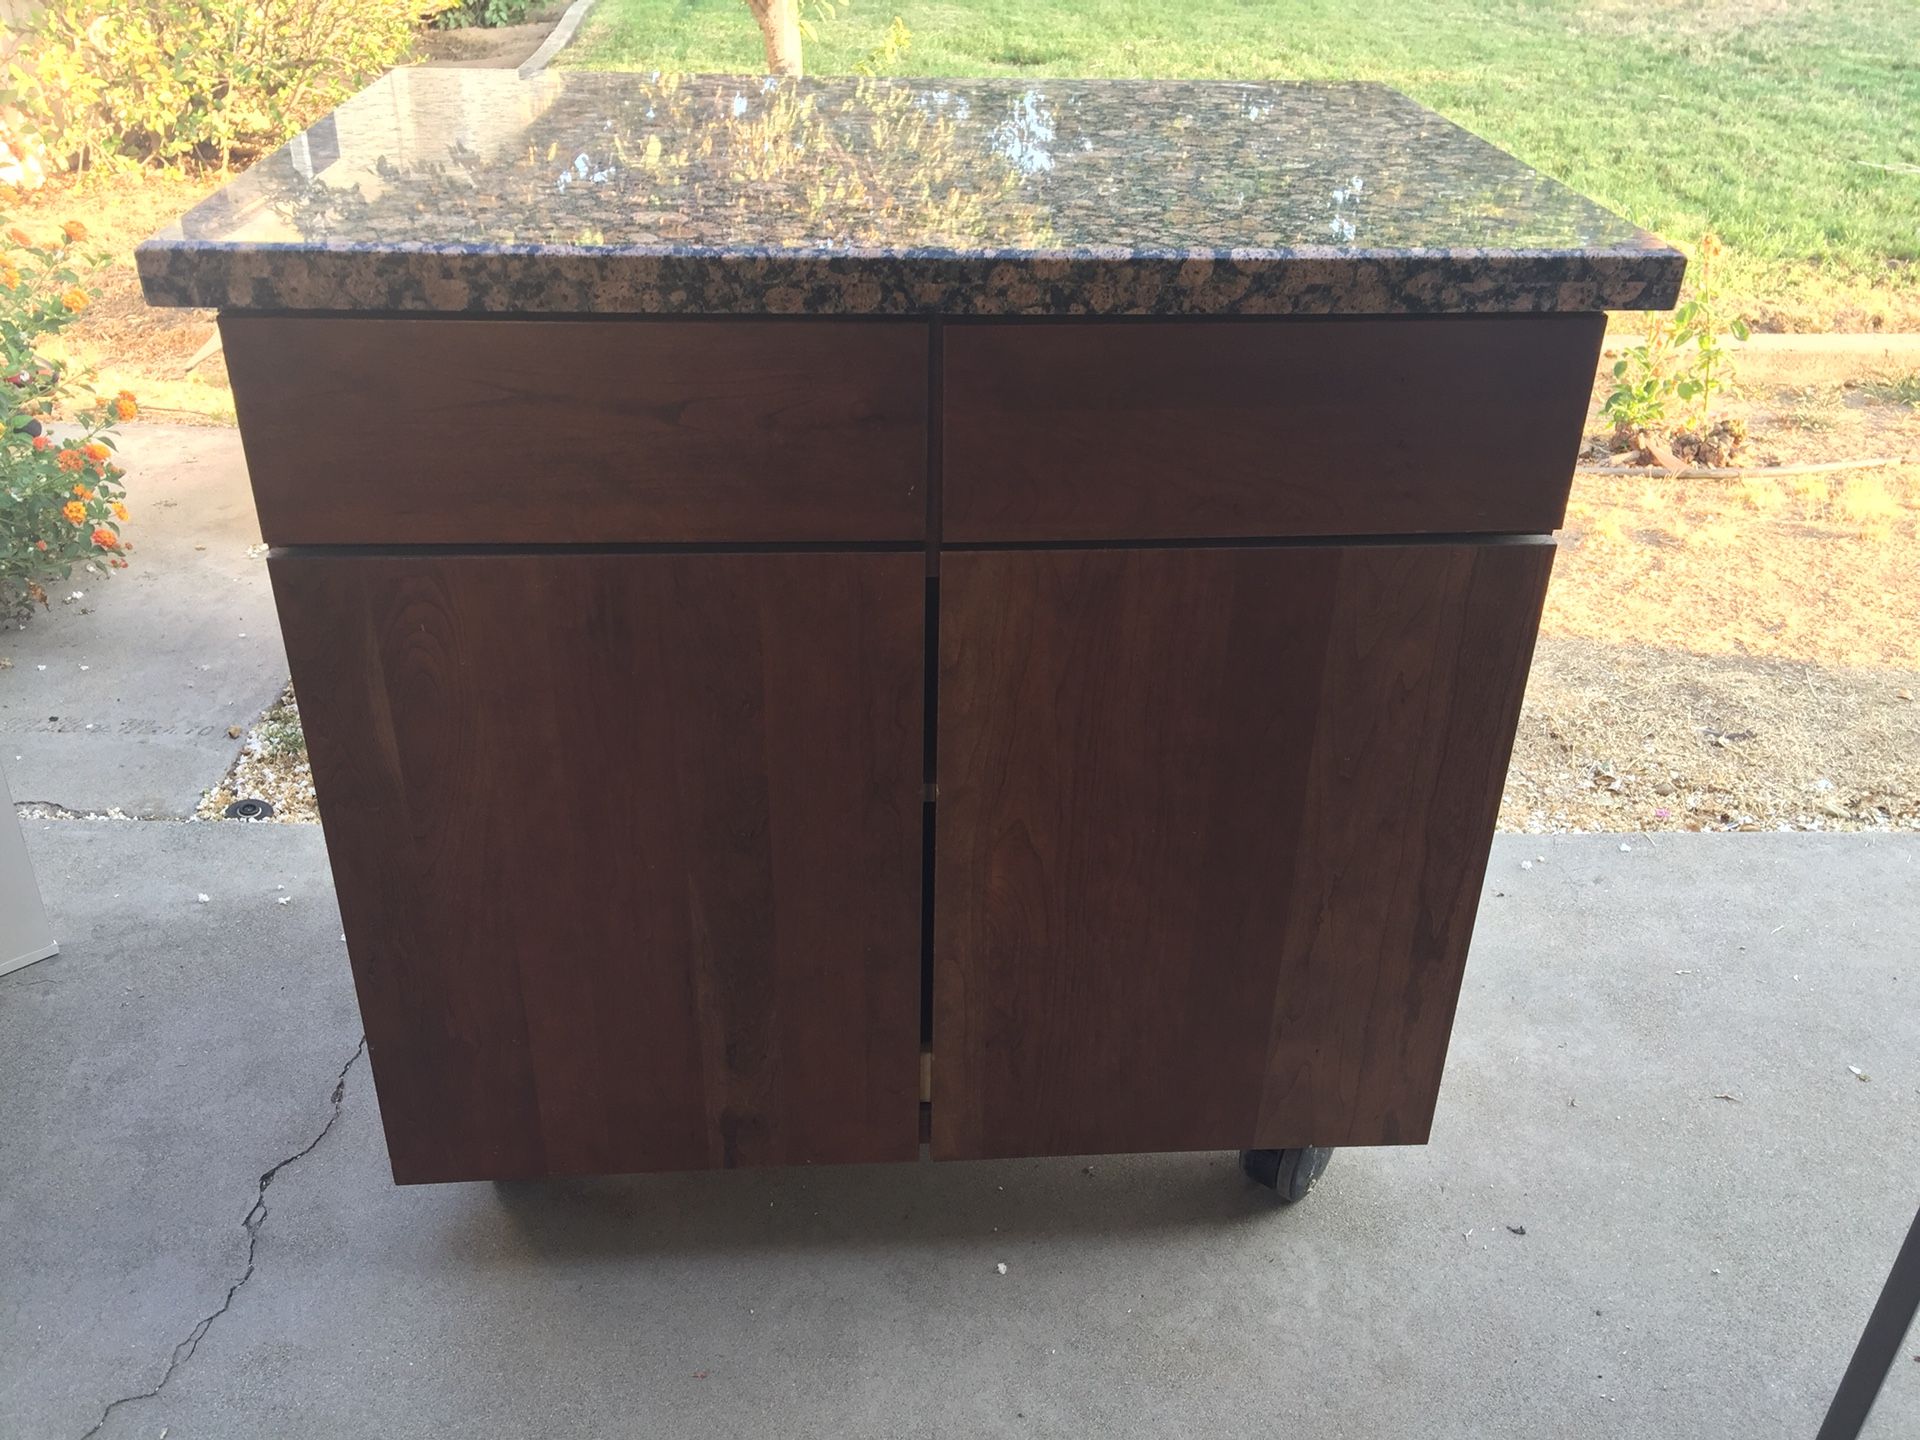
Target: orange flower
74	230
41	442
72	460
82	492
75	299
119	511
96	451
9	277
124	406
19	236
75	512
105	538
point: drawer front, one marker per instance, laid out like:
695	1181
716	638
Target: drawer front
397	431
1290	427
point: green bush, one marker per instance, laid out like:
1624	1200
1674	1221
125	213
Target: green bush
487	13
60	499
156	81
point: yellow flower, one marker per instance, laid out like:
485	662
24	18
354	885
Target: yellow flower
75	512
119	511
75	299
96	451
9	277
124	406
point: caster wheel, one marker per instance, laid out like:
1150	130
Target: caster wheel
1288	1173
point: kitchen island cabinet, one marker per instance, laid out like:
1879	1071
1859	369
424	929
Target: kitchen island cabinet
833	614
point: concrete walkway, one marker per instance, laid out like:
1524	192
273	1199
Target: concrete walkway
123	700
1692	1266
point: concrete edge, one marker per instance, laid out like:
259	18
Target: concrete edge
557	39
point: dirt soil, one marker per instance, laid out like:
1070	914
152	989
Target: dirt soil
132	345
505	47
1736	654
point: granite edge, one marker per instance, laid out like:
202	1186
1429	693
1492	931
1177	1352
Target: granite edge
553	280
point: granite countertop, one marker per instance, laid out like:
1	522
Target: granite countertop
583	192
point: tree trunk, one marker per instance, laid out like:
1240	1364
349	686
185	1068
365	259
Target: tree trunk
780	28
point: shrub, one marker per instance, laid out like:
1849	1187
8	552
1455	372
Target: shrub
142	81
487	13
1682	363
60	499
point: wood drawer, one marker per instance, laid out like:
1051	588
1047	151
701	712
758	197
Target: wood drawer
402	431
1181	430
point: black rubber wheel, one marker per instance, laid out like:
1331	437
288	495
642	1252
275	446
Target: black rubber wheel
1290	1174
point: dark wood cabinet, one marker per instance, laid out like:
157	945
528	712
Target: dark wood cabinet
463	432
1389	425
1211	830
685	802
627	848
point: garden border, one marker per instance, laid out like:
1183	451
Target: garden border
557	39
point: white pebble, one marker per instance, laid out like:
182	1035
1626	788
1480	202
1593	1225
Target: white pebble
1001	1267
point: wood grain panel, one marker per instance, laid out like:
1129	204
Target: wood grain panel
627	848
550	431
1306	427
1211	829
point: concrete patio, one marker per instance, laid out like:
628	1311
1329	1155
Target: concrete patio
1691	1265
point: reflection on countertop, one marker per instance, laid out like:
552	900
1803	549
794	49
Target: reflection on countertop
452	190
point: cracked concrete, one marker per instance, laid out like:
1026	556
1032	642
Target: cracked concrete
123	700
251	1222
1691	1267
151	1073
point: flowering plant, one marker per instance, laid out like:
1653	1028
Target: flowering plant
61	498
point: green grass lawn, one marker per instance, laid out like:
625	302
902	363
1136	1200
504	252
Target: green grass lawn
1792	127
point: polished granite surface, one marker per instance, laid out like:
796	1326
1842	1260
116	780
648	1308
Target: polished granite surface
581	192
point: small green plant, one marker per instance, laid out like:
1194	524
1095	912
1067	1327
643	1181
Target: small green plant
1682	363
1895	388
885	58
484	14
61	500
105	83
279	735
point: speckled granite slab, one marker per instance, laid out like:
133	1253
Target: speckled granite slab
474	191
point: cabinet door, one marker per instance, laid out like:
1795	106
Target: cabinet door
1209	838
627	848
